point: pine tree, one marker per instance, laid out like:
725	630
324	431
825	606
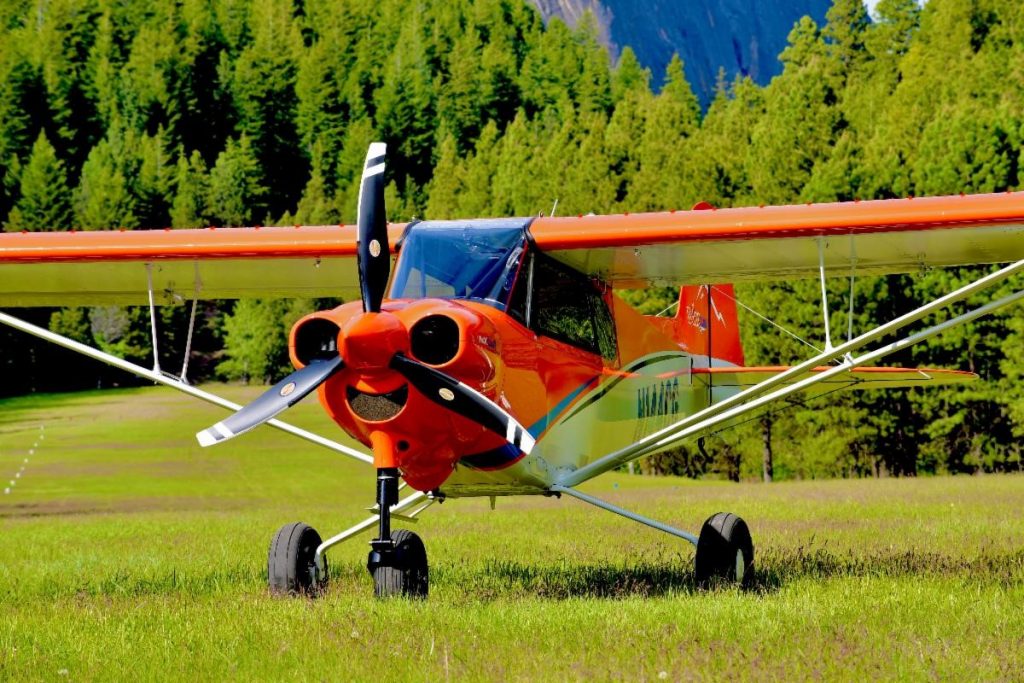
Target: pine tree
44	202
153	175
316	206
103	199
460	101
262	88
21	108
237	195
629	76
192	188
477	199
593	92
447	185
253	337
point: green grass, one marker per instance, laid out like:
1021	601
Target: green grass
128	551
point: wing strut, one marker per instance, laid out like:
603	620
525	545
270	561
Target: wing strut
746	401
824	294
197	286
152	316
174	383
604	505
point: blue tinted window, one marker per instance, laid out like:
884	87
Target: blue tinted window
460	260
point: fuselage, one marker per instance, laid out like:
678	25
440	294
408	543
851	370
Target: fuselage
574	364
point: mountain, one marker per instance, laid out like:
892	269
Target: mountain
742	36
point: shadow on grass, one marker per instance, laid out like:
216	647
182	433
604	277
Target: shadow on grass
775	569
503	579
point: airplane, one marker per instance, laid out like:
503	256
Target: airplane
500	361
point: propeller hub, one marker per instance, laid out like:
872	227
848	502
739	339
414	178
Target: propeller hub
369	341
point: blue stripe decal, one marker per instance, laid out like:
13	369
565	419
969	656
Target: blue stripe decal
538	427
508	454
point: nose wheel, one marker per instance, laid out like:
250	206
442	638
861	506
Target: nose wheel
398	561
402	572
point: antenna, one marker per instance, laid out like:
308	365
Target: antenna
553	207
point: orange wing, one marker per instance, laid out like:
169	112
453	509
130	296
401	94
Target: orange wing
778	242
687	247
109	267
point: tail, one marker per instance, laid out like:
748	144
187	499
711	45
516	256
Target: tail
706	323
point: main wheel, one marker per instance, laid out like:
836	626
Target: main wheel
290	561
405	572
725	552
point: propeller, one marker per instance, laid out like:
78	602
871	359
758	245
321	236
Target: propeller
374	269
374	257
373	251
273	401
447	391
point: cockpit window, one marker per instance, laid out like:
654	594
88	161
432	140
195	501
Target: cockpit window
475	260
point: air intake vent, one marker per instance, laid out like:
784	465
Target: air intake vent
316	339
377	407
434	339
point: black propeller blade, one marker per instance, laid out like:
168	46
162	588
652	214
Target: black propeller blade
456	396
374	269
374	253
279	397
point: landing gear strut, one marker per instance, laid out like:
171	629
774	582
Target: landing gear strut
397	562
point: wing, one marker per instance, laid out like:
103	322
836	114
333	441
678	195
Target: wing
110	267
779	242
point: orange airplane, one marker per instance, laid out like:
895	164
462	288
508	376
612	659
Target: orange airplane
500	361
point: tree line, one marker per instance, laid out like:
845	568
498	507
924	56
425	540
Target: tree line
235	112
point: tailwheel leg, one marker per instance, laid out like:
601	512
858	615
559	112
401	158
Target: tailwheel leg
397	561
725	552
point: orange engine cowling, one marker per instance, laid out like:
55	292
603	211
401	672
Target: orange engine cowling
377	406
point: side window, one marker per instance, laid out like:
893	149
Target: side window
604	325
567	306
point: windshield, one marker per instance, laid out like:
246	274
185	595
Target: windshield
460	260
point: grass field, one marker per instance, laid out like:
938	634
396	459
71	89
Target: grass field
128	551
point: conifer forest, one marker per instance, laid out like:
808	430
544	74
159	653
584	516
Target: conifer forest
193	113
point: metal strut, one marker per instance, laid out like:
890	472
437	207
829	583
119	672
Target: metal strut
654	524
420	501
197	285
745	400
152	316
853	272
172	382
824	294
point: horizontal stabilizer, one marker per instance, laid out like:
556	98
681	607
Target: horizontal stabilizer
857	378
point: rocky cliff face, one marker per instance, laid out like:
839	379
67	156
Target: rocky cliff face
743	36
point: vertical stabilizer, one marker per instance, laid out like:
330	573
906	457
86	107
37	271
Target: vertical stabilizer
706	323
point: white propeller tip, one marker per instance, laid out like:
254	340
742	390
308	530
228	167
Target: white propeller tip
206	438
527	442
376	149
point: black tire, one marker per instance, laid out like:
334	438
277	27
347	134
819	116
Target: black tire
725	552
290	561
407	575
